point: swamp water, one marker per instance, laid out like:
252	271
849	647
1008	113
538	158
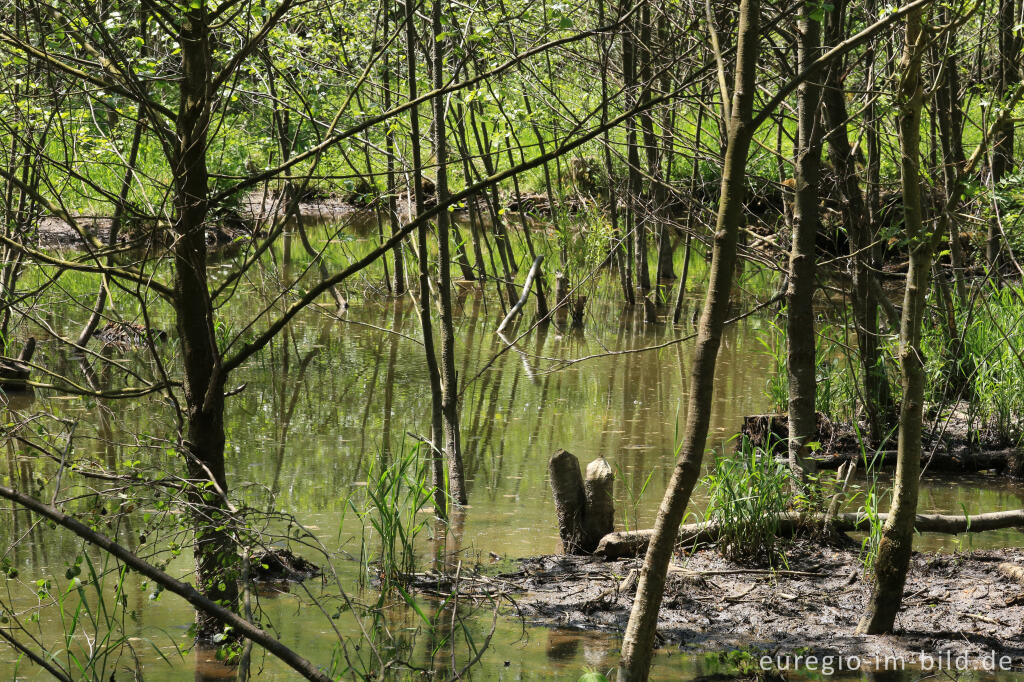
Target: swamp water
332	396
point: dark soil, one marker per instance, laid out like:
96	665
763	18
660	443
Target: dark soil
949	447
958	603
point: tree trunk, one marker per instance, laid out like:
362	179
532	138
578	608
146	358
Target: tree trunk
638	640
874	381
449	379
433	373
898	532
1007	78
800	337
216	557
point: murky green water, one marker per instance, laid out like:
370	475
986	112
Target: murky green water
332	396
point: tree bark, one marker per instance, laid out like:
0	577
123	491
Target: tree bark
800	347
894	549
449	378
216	557
873	377
1007	78
433	373
638	639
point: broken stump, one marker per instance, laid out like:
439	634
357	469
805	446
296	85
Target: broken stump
585	510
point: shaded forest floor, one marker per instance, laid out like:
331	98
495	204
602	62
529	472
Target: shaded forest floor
955	603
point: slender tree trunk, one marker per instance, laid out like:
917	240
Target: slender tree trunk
216	557
638	640
1007	78
950	115
898	533
398	274
635	223
874	381
618	252
449	379
800	295
433	373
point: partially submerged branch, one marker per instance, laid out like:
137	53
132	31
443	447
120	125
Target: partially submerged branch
634	543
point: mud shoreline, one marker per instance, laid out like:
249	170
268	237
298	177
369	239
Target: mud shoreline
956	606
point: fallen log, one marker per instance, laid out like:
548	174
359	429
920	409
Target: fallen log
960	460
626	544
530	276
838	445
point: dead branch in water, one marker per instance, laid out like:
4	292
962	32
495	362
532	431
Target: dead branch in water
634	543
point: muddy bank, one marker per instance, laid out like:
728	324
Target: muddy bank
949	445
960	605
56	233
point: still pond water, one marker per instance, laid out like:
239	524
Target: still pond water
321	405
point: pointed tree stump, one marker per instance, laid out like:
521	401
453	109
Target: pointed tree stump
585	509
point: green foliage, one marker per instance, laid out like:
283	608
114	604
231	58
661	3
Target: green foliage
593	676
991	358
392	516
743	663
630	516
836	391
747	493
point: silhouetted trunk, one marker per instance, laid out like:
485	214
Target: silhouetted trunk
638	639
635	224
216	557
398	273
950	117
874	382
433	373
1007	78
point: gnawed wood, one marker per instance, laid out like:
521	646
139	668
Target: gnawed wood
570	499
599	515
585	510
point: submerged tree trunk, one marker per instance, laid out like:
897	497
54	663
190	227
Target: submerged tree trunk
433	373
216	556
800	358
449	379
638	639
894	548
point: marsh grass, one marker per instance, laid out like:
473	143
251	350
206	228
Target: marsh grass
92	610
392	515
836	392
992	357
747	492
